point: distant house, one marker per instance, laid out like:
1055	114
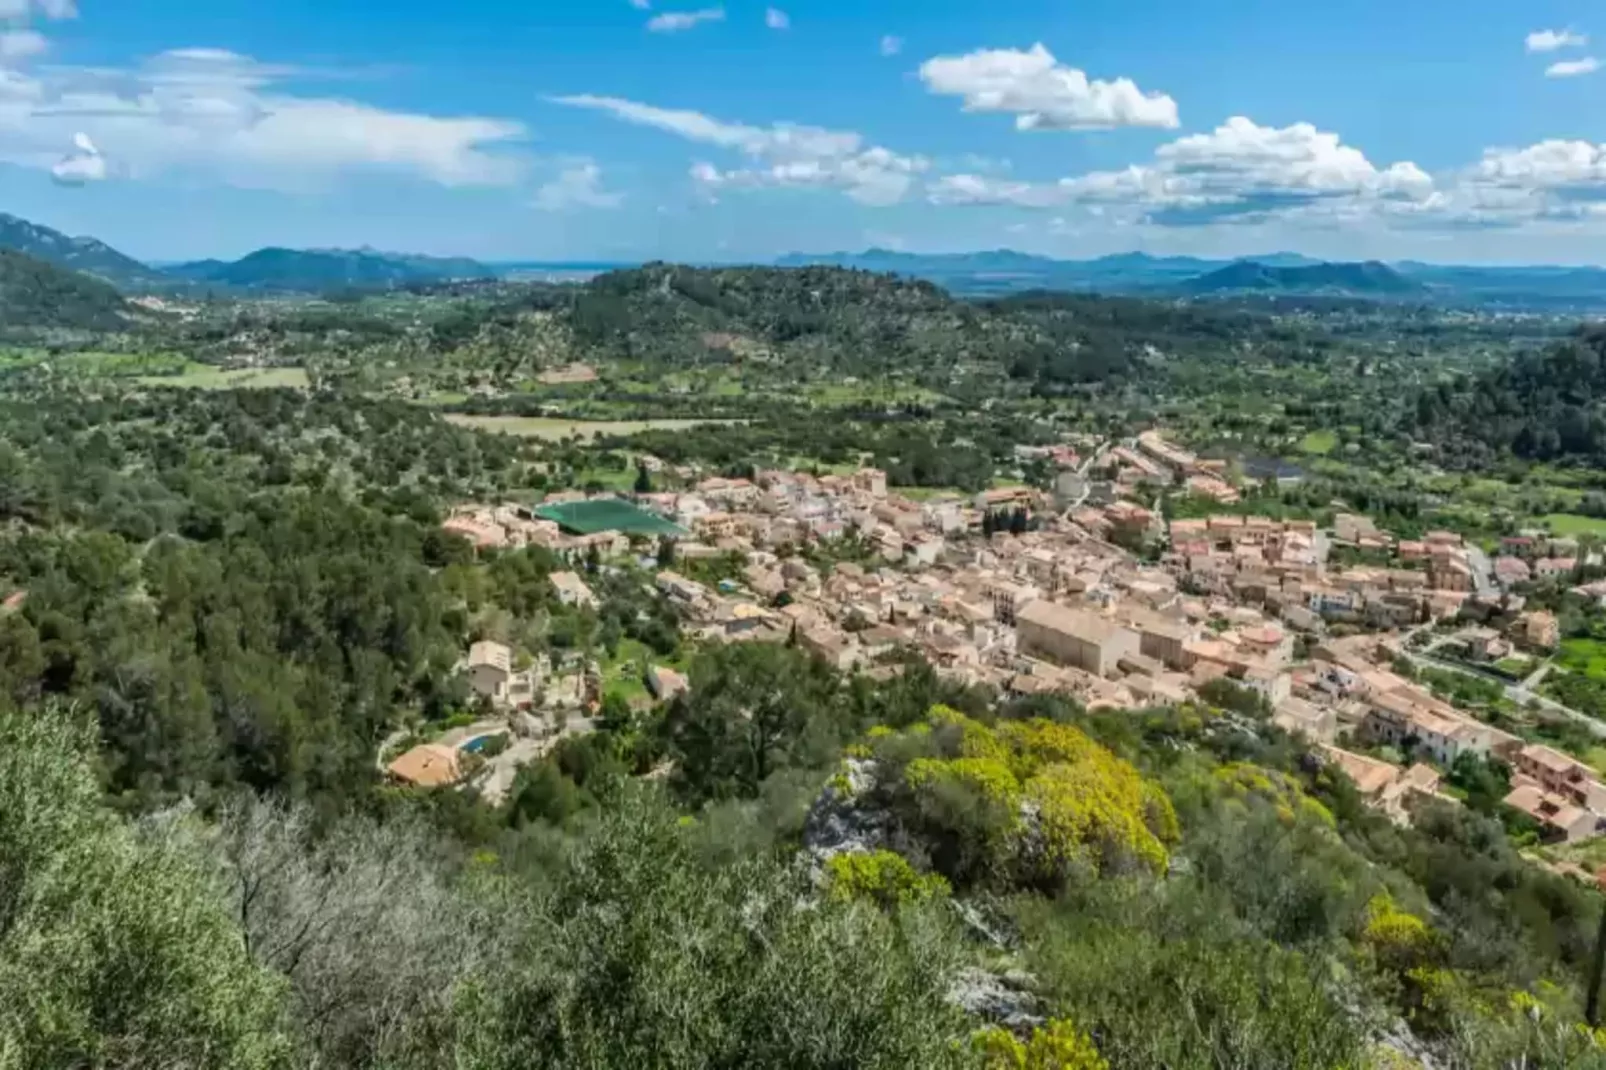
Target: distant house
429	765
1385	786
490	667
1558	819
1518	545
1539	629
1548	567
572	590
1298	717
1510	571
665	683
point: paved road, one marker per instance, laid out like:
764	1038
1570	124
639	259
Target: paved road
1517	693
1537	677
1482	570
1087	466
496	780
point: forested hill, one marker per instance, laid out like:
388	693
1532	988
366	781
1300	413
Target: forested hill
852	322
1542	406
1371	279
319	270
37	294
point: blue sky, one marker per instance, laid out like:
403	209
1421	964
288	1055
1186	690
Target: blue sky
686	129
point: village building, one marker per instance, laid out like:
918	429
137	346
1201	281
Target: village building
572	590
1075	637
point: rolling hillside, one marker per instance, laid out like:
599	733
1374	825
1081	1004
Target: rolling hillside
37	294
1369	279
320	270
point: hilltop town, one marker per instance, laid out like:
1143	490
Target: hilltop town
1083	592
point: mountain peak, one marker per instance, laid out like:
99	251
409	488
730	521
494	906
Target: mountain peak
88	255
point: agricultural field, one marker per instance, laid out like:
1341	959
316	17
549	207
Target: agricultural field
1319	443
1573	524
1584	656
209	377
553	429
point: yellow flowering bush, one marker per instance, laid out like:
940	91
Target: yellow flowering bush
1057	1046
1393	931
1243	781
883	877
1087	805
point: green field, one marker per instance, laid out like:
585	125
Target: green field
1319	443
1573	524
926	494
209	377
553	429
869	392
1585	656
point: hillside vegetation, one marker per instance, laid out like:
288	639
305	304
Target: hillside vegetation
323	270
37	294
1547	405
1369	279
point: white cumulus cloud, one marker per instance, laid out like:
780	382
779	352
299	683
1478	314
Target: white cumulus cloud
578	185
1573	68
1044	94
217	113
776	19
1554	40
677	21
1239	172
83	165
779	155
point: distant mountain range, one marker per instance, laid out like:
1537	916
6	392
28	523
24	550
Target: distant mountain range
1275	274
976	274
1006	271
266	270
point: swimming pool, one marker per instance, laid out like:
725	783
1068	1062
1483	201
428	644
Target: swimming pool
479	743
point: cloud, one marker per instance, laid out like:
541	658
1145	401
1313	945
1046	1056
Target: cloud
217	113
1239	172
641	5
578	185
782	155
973	189
677	21
1554	40
776	19
1042	94
83	165
21	44
17	10
1572	68
890	45
1549	181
